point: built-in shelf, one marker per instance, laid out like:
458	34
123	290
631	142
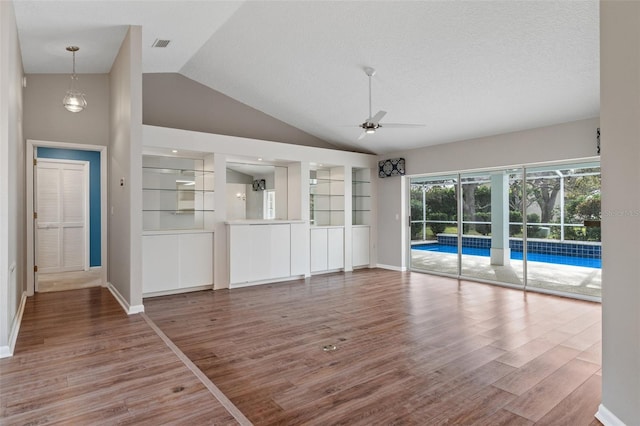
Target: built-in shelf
326	196
177	193
361	196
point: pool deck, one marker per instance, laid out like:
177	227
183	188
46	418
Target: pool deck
549	276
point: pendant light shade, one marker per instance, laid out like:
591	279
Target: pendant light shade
74	100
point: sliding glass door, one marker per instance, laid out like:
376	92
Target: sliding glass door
563	229
434	224
535	227
486	229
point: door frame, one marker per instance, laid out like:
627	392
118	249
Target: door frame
87	219
31	148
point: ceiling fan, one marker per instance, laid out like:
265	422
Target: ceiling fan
372	123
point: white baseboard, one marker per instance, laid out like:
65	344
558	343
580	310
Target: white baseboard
276	281
130	310
7	351
178	291
607	418
392	267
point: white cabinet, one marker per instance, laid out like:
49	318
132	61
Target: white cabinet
173	262
240	253
280	251
319	250
195	260
261	252
299	244
327	249
159	263
360	246
335	248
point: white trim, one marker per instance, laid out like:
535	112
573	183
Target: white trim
29	156
211	387
269	281
128	309
329	271
178	291
392	267
104	282
607	418
7	351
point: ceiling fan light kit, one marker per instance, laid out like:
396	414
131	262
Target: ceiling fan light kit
74	100
372	123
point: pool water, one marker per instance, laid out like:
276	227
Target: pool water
515	255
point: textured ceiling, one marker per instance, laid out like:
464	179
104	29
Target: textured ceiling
464	69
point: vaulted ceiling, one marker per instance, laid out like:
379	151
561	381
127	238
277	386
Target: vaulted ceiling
464	69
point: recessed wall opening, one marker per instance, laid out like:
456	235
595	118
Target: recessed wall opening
535	228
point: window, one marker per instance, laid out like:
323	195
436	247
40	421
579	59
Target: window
269	204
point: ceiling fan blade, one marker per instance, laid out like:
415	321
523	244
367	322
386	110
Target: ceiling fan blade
402	125
362	135
376	118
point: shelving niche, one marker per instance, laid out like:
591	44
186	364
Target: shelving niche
177	193
361	196
326	196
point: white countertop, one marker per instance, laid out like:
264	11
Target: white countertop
178	231
261	221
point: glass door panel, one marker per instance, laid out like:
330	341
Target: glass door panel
563	229
476	226
434	224
486	224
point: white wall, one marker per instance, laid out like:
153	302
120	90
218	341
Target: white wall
12	201
46	119
554	143
620	123
125	163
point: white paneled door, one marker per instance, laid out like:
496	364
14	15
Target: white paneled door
61	222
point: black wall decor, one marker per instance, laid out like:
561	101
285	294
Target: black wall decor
391	167
259	185
598	141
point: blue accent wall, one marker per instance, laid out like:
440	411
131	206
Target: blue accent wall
93	157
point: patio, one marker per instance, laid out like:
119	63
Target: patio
573	280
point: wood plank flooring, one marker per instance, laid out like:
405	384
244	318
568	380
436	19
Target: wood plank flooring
412	349
80	360
74	280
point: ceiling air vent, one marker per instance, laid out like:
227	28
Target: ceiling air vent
160	43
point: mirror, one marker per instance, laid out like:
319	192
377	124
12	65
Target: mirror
256	191
177	192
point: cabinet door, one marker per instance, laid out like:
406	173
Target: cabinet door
196	259
240	250
260	252
360	246
319	260
280	251
335	244
299	249
159	263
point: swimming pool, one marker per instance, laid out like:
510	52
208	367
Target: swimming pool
515	255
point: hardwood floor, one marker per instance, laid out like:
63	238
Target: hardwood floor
81	360
62	281
411	349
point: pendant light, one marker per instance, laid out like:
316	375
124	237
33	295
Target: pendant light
74	100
